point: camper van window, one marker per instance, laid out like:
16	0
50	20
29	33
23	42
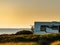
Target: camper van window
43	28
55	27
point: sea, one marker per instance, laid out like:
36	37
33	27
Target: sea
12	30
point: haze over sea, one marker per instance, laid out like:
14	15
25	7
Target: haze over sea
11	30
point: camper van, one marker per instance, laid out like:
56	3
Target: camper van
46	27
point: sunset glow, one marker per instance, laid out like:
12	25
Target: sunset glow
23	13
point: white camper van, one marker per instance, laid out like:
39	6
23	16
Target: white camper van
46	27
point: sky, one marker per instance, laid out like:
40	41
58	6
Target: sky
23	13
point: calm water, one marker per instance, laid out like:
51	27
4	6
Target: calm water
11	31
20	43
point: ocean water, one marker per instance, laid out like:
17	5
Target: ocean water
11	30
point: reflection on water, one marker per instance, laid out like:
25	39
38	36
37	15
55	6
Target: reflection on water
20	43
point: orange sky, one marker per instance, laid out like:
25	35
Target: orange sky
23	13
